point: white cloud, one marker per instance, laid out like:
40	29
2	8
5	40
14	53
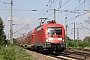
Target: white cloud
14	19
28	21
32	23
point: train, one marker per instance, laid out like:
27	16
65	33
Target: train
49	37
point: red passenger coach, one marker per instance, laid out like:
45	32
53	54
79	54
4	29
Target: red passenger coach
47	37
30	39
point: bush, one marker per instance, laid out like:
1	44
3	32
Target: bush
83	44
72	43
14	53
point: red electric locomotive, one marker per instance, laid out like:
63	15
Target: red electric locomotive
47	37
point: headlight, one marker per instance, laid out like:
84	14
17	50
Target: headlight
59	38
50	38
47	39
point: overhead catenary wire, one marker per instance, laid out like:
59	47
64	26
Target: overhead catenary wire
76	10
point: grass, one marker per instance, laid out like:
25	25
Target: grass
13	53
1	57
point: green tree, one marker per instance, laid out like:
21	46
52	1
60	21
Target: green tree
2	34
87	39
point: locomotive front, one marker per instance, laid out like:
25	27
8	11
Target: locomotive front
54	37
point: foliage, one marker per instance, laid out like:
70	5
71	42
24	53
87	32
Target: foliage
71	43
83	44
13	53
75	44
14	41
2	34
87	39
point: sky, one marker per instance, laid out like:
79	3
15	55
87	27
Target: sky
25	20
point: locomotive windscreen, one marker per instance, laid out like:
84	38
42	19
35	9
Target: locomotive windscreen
55	30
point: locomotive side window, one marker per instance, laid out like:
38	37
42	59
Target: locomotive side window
55	30
42	31
38	28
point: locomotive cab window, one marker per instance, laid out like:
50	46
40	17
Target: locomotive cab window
55	30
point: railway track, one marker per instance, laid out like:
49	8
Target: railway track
66	55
